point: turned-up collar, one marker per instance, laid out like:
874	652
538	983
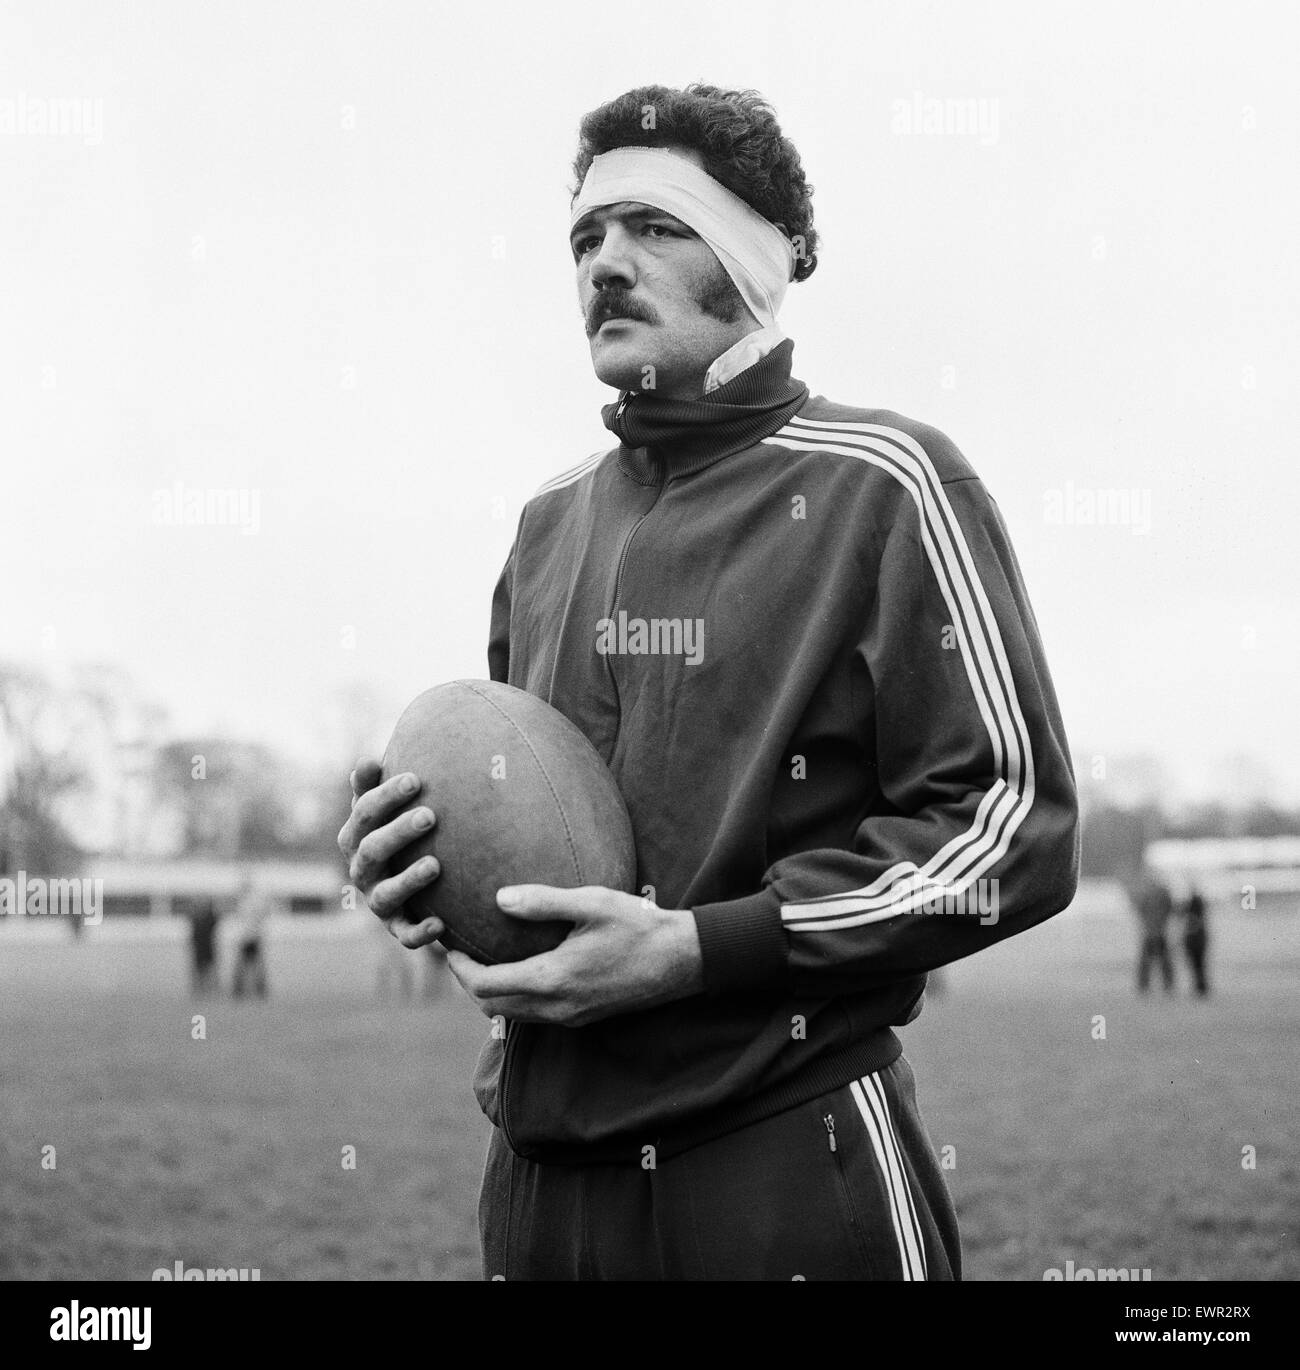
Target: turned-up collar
662	438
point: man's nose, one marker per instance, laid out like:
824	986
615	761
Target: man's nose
611	263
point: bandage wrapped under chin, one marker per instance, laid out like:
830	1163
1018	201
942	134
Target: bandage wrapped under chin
757	256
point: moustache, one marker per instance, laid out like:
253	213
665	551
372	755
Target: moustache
615	305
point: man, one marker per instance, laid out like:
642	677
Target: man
252	914
1154	906
393	970
1196	940
204	919
850	769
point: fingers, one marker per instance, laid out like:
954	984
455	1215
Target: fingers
468	972
413	935
365	776
548	901
376	849
389	897
372	808
536	975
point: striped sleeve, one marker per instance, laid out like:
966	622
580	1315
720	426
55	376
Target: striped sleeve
976	837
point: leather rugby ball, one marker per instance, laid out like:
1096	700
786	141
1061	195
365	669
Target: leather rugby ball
521	797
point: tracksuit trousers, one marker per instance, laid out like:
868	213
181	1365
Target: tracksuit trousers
844	1187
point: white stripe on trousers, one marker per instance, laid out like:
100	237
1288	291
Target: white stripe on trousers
869	1095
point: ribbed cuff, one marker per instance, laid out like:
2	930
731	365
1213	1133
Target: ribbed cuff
744	944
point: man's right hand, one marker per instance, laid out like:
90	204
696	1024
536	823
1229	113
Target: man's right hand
372	837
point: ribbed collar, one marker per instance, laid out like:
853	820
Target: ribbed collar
660	436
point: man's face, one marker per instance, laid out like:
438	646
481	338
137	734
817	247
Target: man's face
653	294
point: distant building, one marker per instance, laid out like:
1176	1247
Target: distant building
1223	867
161	889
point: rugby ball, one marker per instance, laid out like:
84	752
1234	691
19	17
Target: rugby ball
520	797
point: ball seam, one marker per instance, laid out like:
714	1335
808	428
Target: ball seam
559	807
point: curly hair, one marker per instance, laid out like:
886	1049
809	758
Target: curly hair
736	133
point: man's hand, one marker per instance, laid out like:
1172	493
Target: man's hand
372	837
623	954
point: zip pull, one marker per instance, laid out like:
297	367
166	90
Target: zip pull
829	1120
622	405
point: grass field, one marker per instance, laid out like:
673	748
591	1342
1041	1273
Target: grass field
227	1152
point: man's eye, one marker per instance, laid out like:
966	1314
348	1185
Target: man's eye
583	246
661	228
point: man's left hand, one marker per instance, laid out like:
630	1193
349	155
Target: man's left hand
624	953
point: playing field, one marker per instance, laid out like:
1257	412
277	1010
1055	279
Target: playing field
227	1152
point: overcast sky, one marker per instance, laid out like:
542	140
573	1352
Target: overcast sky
317	253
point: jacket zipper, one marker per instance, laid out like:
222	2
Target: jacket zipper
624	400
829	1120
622	556
627	542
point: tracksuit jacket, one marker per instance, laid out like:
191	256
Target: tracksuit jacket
797	634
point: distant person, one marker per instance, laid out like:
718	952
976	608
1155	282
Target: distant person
203	946
392	968
1196	939
1154	906
252	910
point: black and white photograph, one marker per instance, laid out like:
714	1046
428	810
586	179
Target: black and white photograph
649	644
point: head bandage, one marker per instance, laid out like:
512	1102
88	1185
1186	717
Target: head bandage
757	256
